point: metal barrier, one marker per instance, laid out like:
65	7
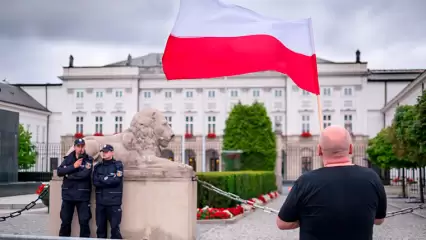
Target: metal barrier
13	236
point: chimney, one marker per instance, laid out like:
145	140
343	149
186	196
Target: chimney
71	62
129	60
358	56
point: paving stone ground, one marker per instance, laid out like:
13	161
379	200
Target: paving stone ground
256	226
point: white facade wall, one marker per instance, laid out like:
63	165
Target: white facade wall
201	99
34	121
51	97
408	99
211	98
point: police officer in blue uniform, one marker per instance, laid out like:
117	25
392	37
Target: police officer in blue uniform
76	189
108	180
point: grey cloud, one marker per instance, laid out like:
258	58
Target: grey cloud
388	32
106	21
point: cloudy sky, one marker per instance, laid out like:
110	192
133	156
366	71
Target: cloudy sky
36	37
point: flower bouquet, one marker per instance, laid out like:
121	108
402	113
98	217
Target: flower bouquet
43	192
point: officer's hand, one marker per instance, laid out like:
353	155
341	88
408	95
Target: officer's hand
77	163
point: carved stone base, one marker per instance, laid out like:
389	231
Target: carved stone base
156	206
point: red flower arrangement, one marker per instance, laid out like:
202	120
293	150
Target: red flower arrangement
306	134
98	134
411	181
188	135
40	189
211	135
227	213
78	135
219	213
397	179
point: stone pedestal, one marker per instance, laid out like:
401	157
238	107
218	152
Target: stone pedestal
155	207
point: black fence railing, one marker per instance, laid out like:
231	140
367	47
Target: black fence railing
49	156
296	159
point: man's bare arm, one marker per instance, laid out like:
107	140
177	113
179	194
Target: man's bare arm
379	221
282	225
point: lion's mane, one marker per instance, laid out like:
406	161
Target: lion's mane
139	136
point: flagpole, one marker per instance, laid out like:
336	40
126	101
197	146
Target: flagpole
183	135
203	133
320	115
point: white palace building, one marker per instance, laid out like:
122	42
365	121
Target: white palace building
103	99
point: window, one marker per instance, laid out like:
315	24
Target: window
348	122
118	124
99	94
211	124
306	126
169	120
98	124
37	133
147	94
43	134
211	94
327	120
306	164
278	122
326	91
79	94
347	91
256	93
234	93
168	94
118	93
189	94
305	93
278	93
78	124
189	124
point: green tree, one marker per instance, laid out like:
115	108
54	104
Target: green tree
382	153
26	151
248	128
408	122
418	135
405	145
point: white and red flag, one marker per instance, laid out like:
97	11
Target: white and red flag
212	39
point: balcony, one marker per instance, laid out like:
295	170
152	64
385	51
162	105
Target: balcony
79	106
168	107
118	106
211	106
189	107
99	106
348	105
278	106
306	104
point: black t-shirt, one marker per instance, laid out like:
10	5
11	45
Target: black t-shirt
336	203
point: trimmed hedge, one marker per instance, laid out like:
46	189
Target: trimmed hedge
246	184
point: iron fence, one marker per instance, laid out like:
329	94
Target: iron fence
49	156
297	158
408	177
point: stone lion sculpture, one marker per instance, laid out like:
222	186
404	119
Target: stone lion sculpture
138	147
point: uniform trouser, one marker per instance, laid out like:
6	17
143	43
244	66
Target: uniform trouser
111	214
84	216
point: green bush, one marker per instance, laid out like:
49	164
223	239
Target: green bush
246	184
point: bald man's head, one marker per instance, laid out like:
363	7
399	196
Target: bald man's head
335	145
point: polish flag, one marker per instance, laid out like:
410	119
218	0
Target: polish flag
212	39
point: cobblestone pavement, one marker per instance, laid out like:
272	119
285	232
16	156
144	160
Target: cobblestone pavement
256	226
261	226
404	203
